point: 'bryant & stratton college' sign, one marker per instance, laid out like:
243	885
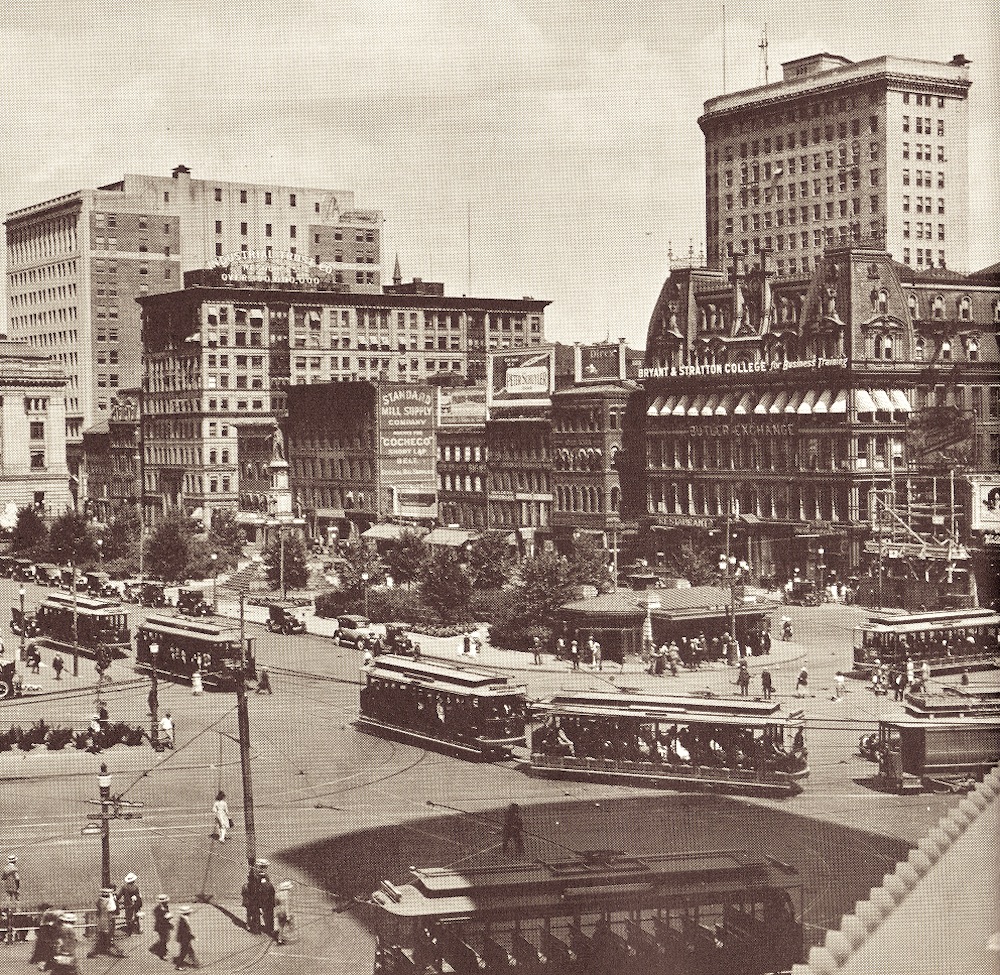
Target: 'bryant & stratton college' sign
738	368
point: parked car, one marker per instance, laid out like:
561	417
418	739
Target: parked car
397	639
6	566
128	590
47	574
99	584
23	622
191	603
66	580
24	570
353	630
153	595
286	618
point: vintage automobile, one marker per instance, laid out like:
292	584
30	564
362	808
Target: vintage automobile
24	570
6	566
397	640
23	622
356	631
286	618
190	602
47	574
99	584
152	594
128	590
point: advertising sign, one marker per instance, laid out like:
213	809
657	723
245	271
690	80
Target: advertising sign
461	405
520	378
940	436
407	445
986	504
600	362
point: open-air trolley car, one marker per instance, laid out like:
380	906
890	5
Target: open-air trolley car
453	709
603	914
101	625
948	640
933	752
675	743
183	646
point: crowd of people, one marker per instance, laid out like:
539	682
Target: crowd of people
696	744
691	651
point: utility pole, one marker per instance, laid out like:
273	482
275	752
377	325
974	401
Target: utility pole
243	720
111	808
76	648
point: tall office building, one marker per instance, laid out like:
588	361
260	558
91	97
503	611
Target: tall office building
838	152
76	264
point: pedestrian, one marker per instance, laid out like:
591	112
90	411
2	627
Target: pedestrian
102	715
801	682
574	656
765	642
743	679
34	659
12	881
105	936
466	650
130	902
367	658
58	666
283	911
186	957
264	682
152	701
596	660
513	830
560	648
167	731
66	941
766	684
46	936
96	734
163	926
221	811
265	897
838	686
536	649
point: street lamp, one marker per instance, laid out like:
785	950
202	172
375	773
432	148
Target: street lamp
819	571
100	554
154	701
215	582
364	582
20	593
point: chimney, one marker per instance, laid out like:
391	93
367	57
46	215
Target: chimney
180	170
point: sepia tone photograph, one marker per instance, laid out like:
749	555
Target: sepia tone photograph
500	488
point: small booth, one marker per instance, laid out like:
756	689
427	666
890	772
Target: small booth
622	620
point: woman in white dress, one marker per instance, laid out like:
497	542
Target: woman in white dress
222	821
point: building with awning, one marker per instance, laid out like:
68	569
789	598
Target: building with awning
788	407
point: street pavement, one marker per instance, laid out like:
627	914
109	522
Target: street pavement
318	781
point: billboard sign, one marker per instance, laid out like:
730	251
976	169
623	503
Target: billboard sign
458	404
940	437
985	504
523	377
407	446
601	362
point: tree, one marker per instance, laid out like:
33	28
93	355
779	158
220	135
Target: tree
491	561
226	538
72	540
121	539
169	547
588	564
29	530
405	558
694	559
296	571
544	585
360	557
445	587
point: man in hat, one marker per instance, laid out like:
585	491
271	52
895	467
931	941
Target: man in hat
283	911
105	942
265	898
130	901
12	881
163	926
252	895
64	954
46	936
186	958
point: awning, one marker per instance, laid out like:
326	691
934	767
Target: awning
668	407
681	407
331	513
806	406
863	402
454	537
794	401
710	404
695	408
839	404
726	405
764	403
743	406
654	409
899	401
822	404
779	403
385	532
882	400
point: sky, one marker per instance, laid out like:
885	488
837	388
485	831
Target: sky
516	148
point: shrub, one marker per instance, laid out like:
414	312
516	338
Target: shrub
81	739
58	738
7	740
134	735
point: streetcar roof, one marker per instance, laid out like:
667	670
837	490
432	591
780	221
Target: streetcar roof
919	622
183	626
519	890
944	723
693	703
83	604
464	679
665	714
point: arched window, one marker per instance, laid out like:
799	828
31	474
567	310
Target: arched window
972	349
913	306
965	308
883	302
938	307
946	349
887	347
918	349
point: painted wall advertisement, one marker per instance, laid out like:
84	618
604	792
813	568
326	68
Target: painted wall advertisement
985	504
407	446
521	378
461	404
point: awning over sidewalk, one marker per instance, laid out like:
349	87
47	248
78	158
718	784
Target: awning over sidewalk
452	537
385	532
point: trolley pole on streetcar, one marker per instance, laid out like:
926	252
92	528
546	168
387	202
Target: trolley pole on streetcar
154	699
20	593
243	719
111	808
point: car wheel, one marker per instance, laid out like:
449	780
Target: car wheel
5	690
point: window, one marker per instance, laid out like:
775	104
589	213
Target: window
267	230
36	430
267	199
243	196
906	123
37	460
965	308
292	200
292	231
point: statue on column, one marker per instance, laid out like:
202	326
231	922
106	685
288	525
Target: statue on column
277	445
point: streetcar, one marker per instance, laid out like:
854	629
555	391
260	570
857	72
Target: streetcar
83	624
601	914
948	640
449	708
183	646
942	752
688	744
